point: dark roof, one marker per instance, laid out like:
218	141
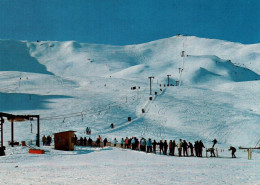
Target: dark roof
65	131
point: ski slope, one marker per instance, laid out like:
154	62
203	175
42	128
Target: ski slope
219	92
74	85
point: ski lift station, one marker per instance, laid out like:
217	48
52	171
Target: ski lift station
15	118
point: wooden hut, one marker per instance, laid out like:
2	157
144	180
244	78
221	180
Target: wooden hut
64	140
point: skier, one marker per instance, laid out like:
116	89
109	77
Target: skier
115	142
170	147
81	141
185	148
43	140
127	142
90	142
137	144
75	139
214	142
196	148
105	142
149	145
173	147
191	149
122	142
37	139
201	146
133	143
112	125
161	146
154	146
85	141
165	146
179	145
98	141
233	149
48	140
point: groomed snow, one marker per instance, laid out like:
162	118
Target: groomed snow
74	85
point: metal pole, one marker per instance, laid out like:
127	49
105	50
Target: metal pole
2	137
38	130
12	133
168	80
151	77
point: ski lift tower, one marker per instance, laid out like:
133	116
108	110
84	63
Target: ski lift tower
151	77
181	69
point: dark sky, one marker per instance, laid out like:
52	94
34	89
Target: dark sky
122	22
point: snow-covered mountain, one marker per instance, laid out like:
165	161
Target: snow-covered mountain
74	85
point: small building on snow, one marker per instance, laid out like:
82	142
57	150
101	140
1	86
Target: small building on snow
64	140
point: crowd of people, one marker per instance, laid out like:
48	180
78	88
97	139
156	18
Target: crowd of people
179	148
166	148
183	147
89	142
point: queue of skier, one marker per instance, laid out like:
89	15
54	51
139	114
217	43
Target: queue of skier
149	146
184	148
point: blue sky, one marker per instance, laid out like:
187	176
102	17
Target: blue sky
122	22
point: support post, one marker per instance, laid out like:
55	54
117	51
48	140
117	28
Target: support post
12	133
38	130
151	77
168	80
2	136
249	154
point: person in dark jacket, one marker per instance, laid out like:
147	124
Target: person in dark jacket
190	146
196	147
137	142
170	147
233	150
112	125
105	142
85	141
201	146
75	140
185	148
43	140
214	142
81	141
165	147
133	142
37	139
90	141
161	147
154	146
98	142
173	147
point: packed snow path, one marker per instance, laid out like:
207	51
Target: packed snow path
120	166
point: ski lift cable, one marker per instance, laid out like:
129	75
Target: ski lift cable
76	114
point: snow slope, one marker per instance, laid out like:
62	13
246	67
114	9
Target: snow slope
74	85
219	95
